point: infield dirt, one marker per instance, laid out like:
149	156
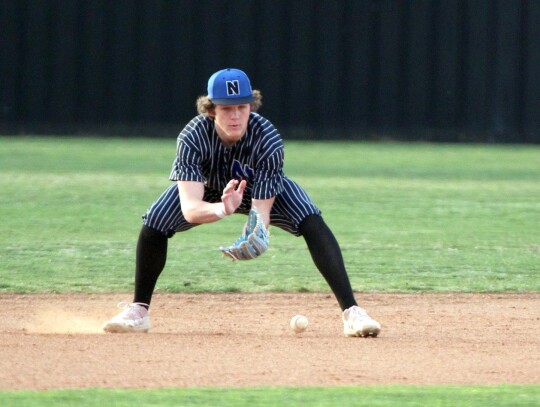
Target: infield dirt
244	340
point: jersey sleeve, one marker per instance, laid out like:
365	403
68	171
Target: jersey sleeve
268	181
187	165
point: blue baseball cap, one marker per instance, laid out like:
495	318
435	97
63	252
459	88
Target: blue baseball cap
230	87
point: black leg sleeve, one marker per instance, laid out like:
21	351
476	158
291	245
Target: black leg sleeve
326	255
150	262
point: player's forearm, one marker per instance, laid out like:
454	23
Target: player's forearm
194	209
203	212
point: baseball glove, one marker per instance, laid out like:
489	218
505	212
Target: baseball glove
253	242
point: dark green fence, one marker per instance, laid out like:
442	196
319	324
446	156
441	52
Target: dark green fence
456	70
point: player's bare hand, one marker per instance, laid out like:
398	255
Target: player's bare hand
232	195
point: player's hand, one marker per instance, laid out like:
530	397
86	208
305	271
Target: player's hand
232	195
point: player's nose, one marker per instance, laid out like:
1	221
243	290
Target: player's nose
235	113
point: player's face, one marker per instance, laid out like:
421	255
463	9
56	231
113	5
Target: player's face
231	122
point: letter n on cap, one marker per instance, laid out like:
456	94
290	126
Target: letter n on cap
233	88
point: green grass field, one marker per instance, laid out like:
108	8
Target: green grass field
409	217
377	396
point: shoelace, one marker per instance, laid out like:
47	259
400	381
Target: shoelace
357	312
129	309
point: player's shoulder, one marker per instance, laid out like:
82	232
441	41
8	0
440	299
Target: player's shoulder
261	124
255	118
200	125
200	121
266	137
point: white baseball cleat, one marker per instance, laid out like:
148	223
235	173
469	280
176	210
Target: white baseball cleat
356	322
134	318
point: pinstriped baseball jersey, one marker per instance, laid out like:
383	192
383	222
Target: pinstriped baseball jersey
257	158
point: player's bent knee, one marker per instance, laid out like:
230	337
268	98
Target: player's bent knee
311	222
150	232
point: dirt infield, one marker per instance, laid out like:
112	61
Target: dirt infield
240	340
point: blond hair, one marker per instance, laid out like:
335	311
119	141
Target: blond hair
206	107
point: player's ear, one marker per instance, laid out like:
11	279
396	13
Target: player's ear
211	109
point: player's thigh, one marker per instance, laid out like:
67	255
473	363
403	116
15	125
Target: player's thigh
291	207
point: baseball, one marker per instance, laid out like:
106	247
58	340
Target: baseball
299	323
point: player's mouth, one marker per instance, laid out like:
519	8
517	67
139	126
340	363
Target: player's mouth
235	127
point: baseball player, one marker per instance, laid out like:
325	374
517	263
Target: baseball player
229	160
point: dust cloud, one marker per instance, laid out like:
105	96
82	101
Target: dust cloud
56	321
